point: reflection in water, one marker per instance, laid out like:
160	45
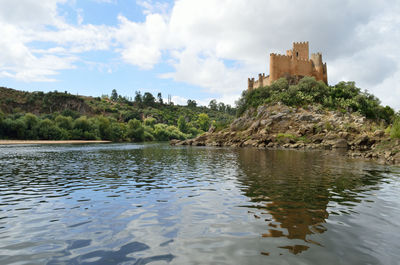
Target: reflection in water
297	193
139	204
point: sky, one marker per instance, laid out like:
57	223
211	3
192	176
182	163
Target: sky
192	49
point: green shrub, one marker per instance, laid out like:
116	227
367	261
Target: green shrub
203	121
103	125
150	122
163	132
49	131
344	96
135	131
118	131
64	122
395	131
182	125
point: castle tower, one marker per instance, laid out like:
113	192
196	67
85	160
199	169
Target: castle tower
319	67
250	84
300	50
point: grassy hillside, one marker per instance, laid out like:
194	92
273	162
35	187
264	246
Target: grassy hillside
57	115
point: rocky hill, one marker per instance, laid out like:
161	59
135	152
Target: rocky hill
276	125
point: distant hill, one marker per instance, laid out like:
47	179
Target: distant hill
39	103
191	119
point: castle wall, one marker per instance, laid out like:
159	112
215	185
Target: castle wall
301	67
282	65
279	65
261	82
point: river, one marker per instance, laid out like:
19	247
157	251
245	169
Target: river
156	204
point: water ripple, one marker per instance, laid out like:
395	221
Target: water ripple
139	204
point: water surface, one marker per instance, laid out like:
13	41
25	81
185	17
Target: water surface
156	204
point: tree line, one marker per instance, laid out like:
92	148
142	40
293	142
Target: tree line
64	127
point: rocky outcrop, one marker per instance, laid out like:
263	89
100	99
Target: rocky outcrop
280	126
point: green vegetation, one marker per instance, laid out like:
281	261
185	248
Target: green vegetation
286	137
344	96
62	116
395	130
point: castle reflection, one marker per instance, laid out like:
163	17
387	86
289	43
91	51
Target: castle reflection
295	189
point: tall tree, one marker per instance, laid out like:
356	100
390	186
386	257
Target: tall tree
213	104
160	99
138	98
148	99
191	103
114	95
182	125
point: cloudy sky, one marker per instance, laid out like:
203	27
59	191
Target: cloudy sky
192	49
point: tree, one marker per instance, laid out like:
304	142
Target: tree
64	122
221	107
49	131
148	99
1	124
191	103
213	104
138	98
135	130
203	121
82	124
104	128
114	95
131	114
118	131
150	122
160	99
182	125
31	126
229	109
15	128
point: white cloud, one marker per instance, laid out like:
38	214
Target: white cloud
142	42
38	21
214	45
30	13
178	100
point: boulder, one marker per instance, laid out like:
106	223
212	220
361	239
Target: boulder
250	142
174	142
278	117
362	140
339	143
396	158
379	133
344	135
309	118
270	145
317	138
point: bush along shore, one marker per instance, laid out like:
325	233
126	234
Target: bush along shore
311	115
62	116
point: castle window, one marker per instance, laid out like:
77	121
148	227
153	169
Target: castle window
297	54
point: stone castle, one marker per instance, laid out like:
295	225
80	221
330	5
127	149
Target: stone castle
295	64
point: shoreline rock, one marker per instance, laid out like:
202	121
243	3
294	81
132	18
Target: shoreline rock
282	127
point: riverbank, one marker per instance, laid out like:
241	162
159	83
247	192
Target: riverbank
281	127
12	142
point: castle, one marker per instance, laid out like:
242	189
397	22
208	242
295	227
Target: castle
295	64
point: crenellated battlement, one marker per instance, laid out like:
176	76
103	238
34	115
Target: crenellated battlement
296	62
300	43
